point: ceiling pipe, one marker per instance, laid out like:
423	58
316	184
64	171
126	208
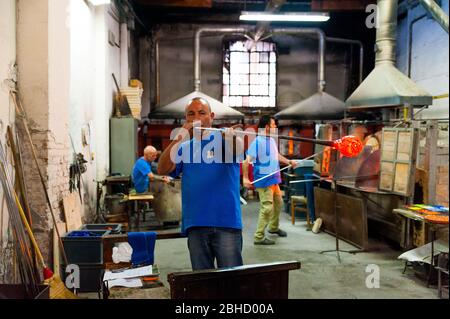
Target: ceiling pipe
273	6
197	36
361	52
436	11
175	109
385	44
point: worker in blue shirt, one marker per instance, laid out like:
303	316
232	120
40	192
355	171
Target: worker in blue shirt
263	153
142	173
210	184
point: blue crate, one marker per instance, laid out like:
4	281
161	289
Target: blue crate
84	249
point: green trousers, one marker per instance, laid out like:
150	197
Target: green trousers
271	203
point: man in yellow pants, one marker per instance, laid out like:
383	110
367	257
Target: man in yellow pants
263	153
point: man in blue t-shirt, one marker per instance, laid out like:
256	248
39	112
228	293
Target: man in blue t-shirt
263	153
142	170
210	185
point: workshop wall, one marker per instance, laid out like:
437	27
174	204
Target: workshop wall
107	61
7	114
92	60
67	51
43	45
95	54
297	66
429	56
429	67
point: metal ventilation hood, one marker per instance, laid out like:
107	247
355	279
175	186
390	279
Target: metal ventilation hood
386	86
175	110
320	106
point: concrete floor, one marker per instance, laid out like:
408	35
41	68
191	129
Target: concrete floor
321	275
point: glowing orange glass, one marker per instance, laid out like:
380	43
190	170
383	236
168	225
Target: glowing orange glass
349	146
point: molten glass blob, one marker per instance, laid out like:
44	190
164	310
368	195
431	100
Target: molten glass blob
349	146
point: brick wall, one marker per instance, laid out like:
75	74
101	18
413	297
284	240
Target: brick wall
442	185
54	165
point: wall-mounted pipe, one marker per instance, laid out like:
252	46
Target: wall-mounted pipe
410	41
361	51
197	36
322	45
436	11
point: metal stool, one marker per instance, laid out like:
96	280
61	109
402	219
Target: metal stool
442	267
303	200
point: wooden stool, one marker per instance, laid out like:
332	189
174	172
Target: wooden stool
300	200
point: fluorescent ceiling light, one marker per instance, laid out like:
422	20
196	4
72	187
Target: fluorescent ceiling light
99	2
284	16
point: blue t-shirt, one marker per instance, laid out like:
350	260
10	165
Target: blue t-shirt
264	153
209	185
139	175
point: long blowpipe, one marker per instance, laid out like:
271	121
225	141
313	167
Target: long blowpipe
349	146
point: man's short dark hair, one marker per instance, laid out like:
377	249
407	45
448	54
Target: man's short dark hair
264	120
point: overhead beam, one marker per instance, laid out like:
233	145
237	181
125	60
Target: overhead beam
340	5
176	3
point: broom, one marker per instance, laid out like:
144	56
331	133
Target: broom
46	270
57	288
122	106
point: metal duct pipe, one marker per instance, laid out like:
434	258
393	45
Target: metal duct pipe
361	51
386	86
271	7
157	94
438	14
321	59
197	36
385	44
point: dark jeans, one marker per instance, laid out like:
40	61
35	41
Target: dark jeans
207	244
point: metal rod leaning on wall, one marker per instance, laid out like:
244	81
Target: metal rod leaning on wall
21	113
21	250
19	173
20	177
